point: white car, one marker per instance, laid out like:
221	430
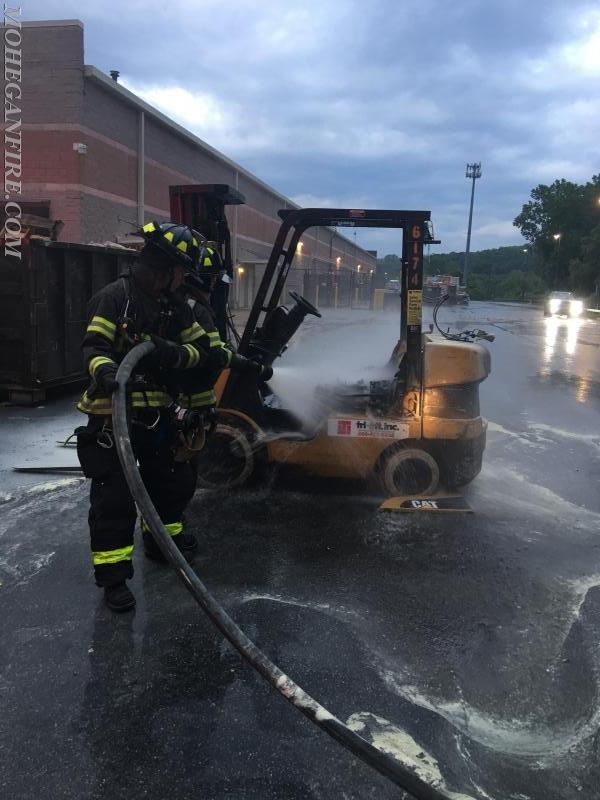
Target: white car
562	303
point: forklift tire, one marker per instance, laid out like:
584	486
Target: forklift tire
408	471
227	459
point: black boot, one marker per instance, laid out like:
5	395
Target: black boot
118	597
186	542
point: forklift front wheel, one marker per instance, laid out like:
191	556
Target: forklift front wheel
226	460
408	471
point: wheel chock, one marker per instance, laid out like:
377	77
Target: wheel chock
438	504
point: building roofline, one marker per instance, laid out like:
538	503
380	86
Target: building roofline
52	23
129	97
94	74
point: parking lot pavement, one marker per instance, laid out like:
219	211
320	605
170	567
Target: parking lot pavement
467	646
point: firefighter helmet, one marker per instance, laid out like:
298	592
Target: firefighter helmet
178	241
209	266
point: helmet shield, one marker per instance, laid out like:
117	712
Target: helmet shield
180	243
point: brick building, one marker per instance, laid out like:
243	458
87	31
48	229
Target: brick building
98	157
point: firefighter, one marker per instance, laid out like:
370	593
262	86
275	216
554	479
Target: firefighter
139	305
198	384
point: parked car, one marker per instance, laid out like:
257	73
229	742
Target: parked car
562	304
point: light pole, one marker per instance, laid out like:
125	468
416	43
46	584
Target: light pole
473	172
556	237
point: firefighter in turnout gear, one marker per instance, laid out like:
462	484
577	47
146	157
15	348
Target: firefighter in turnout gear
198	384
138	306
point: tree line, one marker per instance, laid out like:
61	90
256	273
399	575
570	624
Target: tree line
561	223
561	227
502	273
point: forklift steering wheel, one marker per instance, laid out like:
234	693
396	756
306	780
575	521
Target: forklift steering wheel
303	303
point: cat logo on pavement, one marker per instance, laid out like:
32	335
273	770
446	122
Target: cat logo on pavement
440	503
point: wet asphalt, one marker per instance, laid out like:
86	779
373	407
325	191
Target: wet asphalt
468	646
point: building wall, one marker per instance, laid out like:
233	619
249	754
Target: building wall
99	215
52	92
96	193
107	115
52	73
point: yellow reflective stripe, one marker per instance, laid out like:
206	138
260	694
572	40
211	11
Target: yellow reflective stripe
189	335
95	327
182	246
97	362
194	355
105	322
103	405
229	355
199	400
112	556
150	399
173	528
186	333
194	242
100	408
100	405
210	250
149	227
169	236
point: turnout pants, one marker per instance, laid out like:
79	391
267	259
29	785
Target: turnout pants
112	514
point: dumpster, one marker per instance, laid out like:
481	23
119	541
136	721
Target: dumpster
43	299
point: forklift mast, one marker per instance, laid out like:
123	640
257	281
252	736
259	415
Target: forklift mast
416	231
202	207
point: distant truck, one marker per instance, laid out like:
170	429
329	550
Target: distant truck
437	286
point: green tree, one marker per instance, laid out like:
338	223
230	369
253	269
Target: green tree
584	272
389	266
521	286
482	287
555	222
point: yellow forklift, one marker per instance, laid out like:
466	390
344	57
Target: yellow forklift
415	430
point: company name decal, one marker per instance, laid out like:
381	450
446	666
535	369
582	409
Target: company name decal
367	428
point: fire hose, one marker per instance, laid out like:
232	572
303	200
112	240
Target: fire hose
380	761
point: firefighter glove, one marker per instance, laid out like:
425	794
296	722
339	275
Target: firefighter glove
105	376
249	367
217	358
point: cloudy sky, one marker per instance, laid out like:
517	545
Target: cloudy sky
371	104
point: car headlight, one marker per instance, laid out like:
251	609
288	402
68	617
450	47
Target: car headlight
575	307
554	305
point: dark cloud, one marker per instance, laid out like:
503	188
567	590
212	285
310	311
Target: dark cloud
377	104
